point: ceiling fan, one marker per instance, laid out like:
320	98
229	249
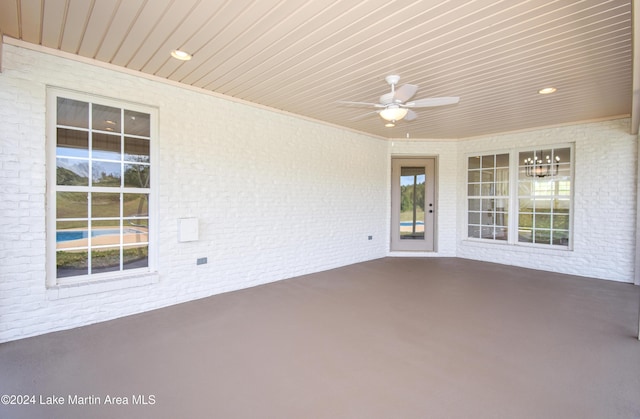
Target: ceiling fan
395	105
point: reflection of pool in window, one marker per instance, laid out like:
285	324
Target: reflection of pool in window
410	223
63	236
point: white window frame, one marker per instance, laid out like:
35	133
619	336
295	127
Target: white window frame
514	209
98	282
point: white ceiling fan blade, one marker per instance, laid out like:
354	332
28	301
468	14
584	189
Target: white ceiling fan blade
411	115
432	101
386	99
343	102
405	92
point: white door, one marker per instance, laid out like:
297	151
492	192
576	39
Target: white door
413	208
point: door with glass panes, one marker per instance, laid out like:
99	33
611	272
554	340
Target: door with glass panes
413	208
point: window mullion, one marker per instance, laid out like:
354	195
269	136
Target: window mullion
514	207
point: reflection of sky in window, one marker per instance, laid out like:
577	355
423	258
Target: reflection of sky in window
72	151
110	169
408	180
79	167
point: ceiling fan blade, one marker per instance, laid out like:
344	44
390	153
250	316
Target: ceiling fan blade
432	101
405	92
386	99
411	115
344	102
366	115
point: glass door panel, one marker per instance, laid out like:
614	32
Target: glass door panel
412	204
412	190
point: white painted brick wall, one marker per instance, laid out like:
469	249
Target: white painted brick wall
276	196
604	202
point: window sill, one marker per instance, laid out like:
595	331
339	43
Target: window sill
523	247
57	292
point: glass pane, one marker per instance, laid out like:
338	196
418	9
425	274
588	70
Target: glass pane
502	175
560	238
105	259
564	172
105	233
137	123
502	160
72	143
473	189
561	205
474	232
522	174
72	205
71	234
140	225
542	236
488	176
135	205
525	220
72	172
474	218
486	232
474	205
488	161
502	219
562	155
487	218
561	222
487	189
106	174
525	187
543	205
135	257
137	176
525	235
502	204
105	205
105	146
136	150
71	263
542	221
72	113
106	118
474	162
136	232
488	204
525	204
501	233
412	190
473	176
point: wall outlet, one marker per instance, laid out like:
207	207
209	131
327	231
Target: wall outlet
370	238
201	261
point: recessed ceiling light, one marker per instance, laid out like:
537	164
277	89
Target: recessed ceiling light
547	90
181	55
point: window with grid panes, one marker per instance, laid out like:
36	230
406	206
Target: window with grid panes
488	196
544	196
101	188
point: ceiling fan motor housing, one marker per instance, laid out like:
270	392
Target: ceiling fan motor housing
392	79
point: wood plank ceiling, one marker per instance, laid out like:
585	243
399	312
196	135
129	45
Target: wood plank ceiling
302	56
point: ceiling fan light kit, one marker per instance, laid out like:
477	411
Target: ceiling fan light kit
393	113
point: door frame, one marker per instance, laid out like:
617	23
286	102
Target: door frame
430	220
